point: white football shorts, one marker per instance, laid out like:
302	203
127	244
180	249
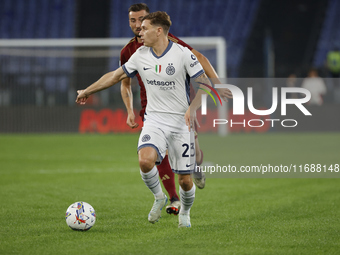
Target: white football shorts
180	146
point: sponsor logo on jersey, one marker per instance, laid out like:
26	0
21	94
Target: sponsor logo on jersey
193	57
195	63
160	83
146	68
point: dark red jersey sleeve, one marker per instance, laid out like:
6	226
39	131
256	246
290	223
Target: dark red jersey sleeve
124	56
128	50
179	41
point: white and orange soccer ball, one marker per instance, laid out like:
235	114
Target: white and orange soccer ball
80	216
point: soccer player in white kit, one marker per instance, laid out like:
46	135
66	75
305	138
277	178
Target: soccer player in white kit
165	68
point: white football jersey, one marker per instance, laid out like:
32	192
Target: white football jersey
167	82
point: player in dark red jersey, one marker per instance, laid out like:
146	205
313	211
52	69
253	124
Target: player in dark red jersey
136	14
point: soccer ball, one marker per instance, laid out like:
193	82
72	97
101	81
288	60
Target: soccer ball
80	216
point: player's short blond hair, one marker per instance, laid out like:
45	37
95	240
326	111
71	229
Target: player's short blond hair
159	19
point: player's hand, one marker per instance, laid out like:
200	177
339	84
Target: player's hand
190	118
131	120
82	97
225	94
196	122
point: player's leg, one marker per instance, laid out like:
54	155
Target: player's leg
151	149
187	193
199	177
166	175
182	159
199	153
168	180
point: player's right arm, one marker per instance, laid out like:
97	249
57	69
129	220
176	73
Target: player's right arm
106	81
190	115
211	73
207	67
127	96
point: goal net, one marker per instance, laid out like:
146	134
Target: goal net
39	79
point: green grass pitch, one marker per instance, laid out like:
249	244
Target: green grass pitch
41	175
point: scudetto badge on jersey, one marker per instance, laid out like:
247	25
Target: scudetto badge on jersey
158	68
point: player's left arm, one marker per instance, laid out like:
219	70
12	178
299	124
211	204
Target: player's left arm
190	115
211	73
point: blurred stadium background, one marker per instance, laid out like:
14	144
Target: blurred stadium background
42	174
264	38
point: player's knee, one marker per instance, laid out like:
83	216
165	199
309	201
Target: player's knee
147	157
185	182
146	164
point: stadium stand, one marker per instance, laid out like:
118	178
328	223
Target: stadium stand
330	34
22	19
201	18
36	19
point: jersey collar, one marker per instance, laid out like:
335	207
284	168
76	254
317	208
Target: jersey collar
166	50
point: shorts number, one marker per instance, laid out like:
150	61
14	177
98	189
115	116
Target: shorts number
185	153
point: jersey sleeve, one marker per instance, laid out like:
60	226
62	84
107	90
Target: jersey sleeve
179	41
125	53
130	67
192	65
122	59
